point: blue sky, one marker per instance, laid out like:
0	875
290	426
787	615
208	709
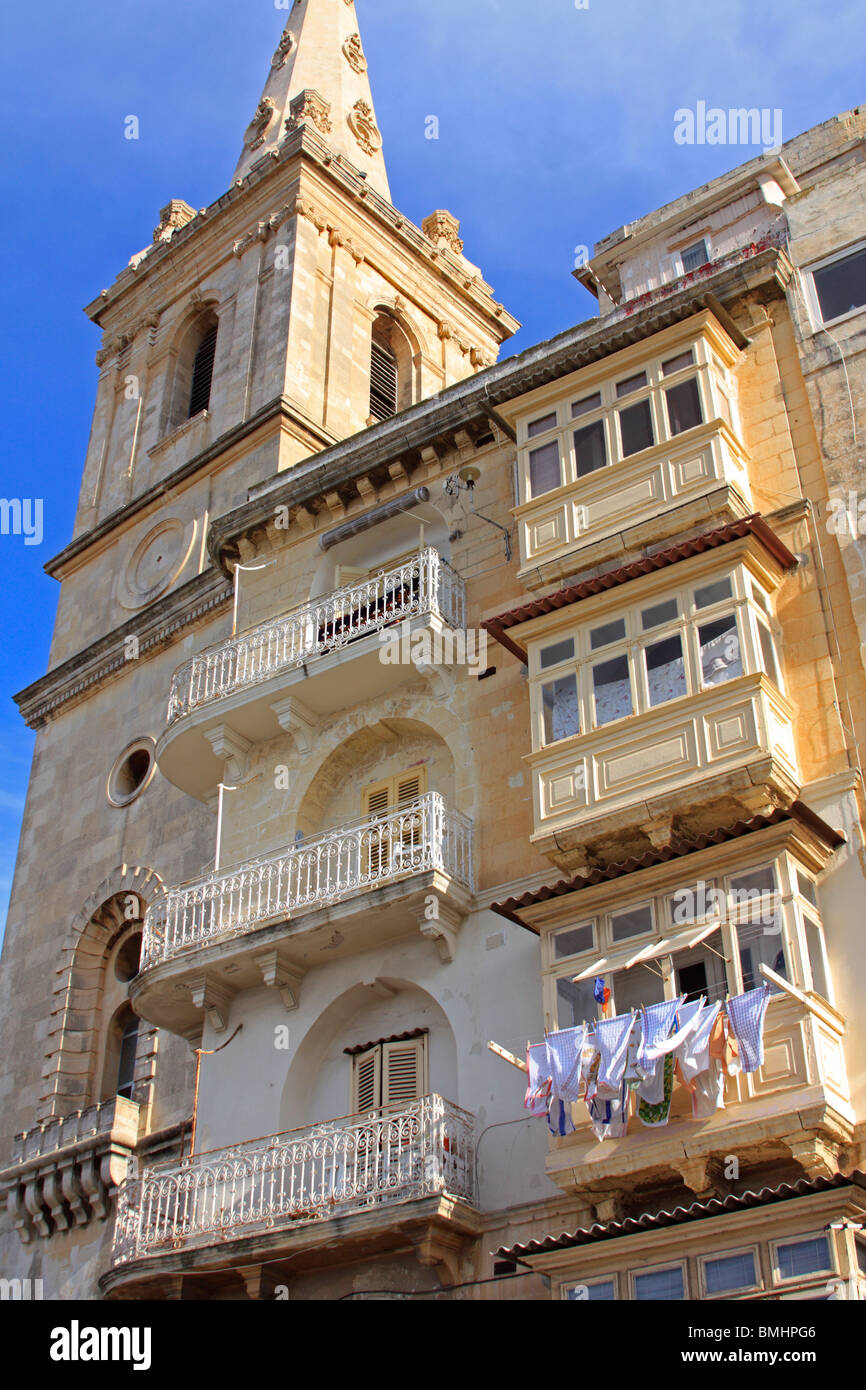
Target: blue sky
555	123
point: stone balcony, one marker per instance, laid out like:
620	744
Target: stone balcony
795	1107
380	1180
296	669
268	920
64	1171
716	756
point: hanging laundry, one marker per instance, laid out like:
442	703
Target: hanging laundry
611	1040
657	1023
537	1097
724	1047
693	1054
559	1117
655	1116
746	1013
564	1062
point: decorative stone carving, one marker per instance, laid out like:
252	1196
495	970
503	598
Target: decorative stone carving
308	105
258	127
443	229
234	750
156	562
172	217
355	53
284	48
362	124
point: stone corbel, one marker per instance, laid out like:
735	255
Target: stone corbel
282	976
703	1175
19	1214
440	680
33	1203
297	720
234	750
93	1185
816	1155
441	923
440	1251
213	999
73	1194
52	1196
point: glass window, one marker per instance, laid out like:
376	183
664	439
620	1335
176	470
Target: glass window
678	364
760	945
128	1047
861	1255
807	889
607	633
701	970
695	903
817	960
841	286
720	651
725	408
760	597
660	1284
684	406
636	428
635	922
631	384
768	653
545	473
560	710
602	1290
693	257
547	422
796	1258
575	1002
632	988
716	592
753	894
612	686
665	670
665	612
590	451
730	1272
573	940
586	405
557	652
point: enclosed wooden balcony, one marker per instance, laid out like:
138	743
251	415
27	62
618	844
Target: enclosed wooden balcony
296	669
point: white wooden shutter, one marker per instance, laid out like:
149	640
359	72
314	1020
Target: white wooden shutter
403	1071
367	1080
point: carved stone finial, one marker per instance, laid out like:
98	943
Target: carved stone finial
310	106
172	217
442	228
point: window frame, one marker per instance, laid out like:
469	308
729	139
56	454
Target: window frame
611	1279
755	1286
786	1280
640	1270
812	297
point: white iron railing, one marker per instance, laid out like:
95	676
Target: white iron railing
423	835
396	1154
424	584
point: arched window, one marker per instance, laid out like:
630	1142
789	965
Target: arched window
202	372
120	1054
392	368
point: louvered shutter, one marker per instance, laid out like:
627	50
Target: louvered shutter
367	1080
376	801
202	373
403	1068
383	381
409	786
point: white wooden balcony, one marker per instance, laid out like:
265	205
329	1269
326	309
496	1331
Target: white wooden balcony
299	667
344	891
617	789
275	1187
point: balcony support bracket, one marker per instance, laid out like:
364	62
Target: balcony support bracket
441	923
234	750
278	974
297	720
440	681
213	998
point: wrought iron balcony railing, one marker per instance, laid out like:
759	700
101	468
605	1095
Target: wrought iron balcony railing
426	584
424	835
393	1155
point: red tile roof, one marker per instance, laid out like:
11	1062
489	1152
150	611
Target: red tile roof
754	525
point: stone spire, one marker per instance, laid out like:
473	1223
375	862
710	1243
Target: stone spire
318	76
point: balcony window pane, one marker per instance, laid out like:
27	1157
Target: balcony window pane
557	652
590	452
660	1284
575	1002
701	971
817	960
574	940
760	944
768	653
560	709
631	383
637	922
612	690
754	894
678	364
807	889
841	286
684	406
693	257
586	405
659	613
545	473
636	428
604	1290
800	1257
607	633
632	988
716	592
547	422
665	670
720	651
725	408
730	1272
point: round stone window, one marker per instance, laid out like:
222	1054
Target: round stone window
131	772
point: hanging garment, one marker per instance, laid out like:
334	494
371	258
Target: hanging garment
655	1116
724	1046
746	1014
538	1088
611	1039
657	1021
708	1090
559	1117
564	1060
693	1055
653	1085
609	1118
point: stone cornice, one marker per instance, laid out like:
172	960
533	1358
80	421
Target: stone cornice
156	627
764	268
